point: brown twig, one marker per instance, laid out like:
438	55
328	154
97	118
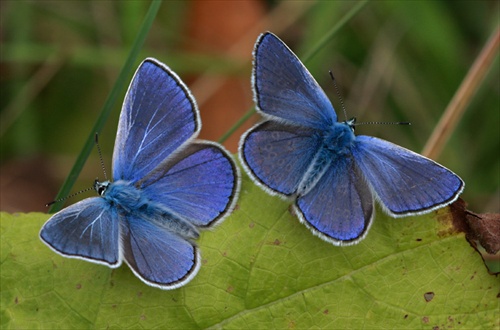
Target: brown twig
462	97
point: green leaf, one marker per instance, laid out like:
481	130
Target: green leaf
261	268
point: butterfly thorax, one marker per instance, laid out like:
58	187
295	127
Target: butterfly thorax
339	137
335	142
130	200
120	193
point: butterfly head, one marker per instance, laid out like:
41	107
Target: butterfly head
101	187
351	123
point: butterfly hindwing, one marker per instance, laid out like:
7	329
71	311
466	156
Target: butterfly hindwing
339	208
158	115
88	230
404	181
284	88
157	256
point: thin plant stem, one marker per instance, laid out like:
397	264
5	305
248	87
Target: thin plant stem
456	108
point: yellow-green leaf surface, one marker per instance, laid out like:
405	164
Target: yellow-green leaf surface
261	269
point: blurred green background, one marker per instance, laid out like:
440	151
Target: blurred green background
394	61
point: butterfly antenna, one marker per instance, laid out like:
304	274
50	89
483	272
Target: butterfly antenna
87	189
100	155
383	123
364	123
338	94
67	197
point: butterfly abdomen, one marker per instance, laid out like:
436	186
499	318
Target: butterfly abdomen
132	200
164	218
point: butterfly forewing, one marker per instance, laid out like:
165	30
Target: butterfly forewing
199	184
158	116
283	87
279	154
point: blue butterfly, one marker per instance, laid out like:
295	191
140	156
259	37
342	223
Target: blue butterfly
167	187
300	151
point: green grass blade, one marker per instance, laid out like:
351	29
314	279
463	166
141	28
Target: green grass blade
333	31
109	104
